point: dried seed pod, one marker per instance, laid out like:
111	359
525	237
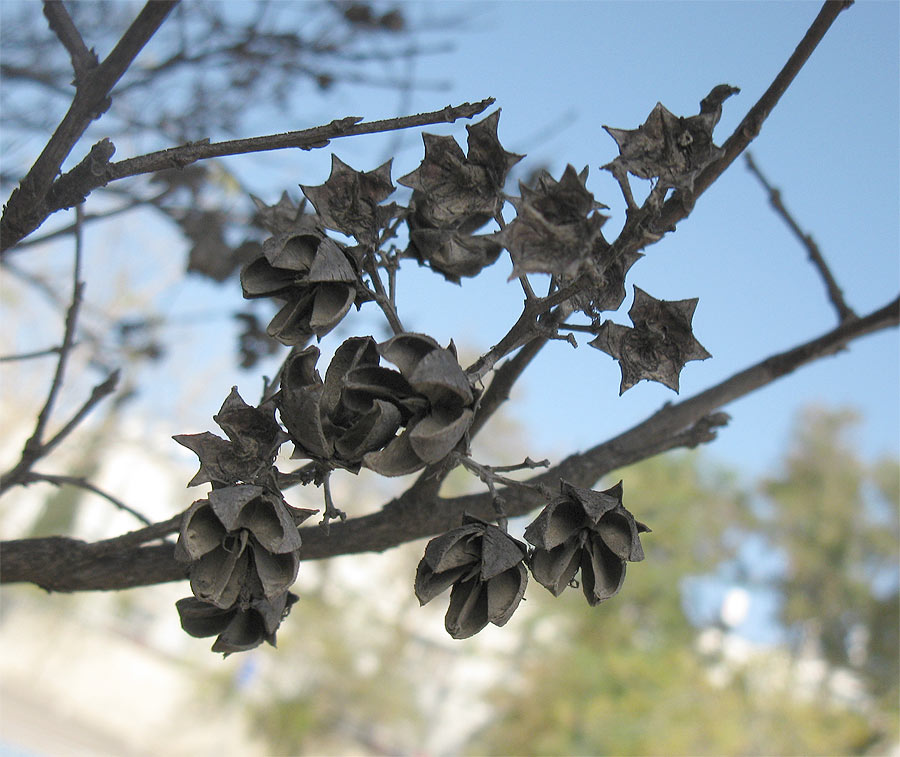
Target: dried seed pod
237	628
658	346
241	543
669	148
588	531
556	228
314	276
483	567
349	201
454	195
254	438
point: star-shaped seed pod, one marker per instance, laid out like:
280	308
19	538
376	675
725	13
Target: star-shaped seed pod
241	544
658	346
254	438
453	189
484	566
589	531
669	148
283	216
349	201
313	275
237	628
556	227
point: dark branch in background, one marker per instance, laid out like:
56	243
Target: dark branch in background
83	60
96	171
136	202
33	477
36	448
30	355
62	564
26	207
834	291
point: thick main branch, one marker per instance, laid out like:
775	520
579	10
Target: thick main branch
63	564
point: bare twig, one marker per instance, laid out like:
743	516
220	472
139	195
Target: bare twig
34	477
26	208
143	535
89	217
331	511
36	448
30	455
383	299
63	564
812	249
30	355
83	60
33	447
96	170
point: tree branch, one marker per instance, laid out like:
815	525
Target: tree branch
674	210
30	355
31	454
26	208
812	249
83	60
63	564
34	447
645	225
96	171
32	477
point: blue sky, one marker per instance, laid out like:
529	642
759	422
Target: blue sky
560	71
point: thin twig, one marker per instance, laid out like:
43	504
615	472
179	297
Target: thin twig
36	440
812	249
31	456
491	475
30	355
143	535
34	477
96	171
36	448
383	299
586	328
83	60
89	217
331	512
305	139
527	464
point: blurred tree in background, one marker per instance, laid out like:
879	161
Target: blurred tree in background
638	679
